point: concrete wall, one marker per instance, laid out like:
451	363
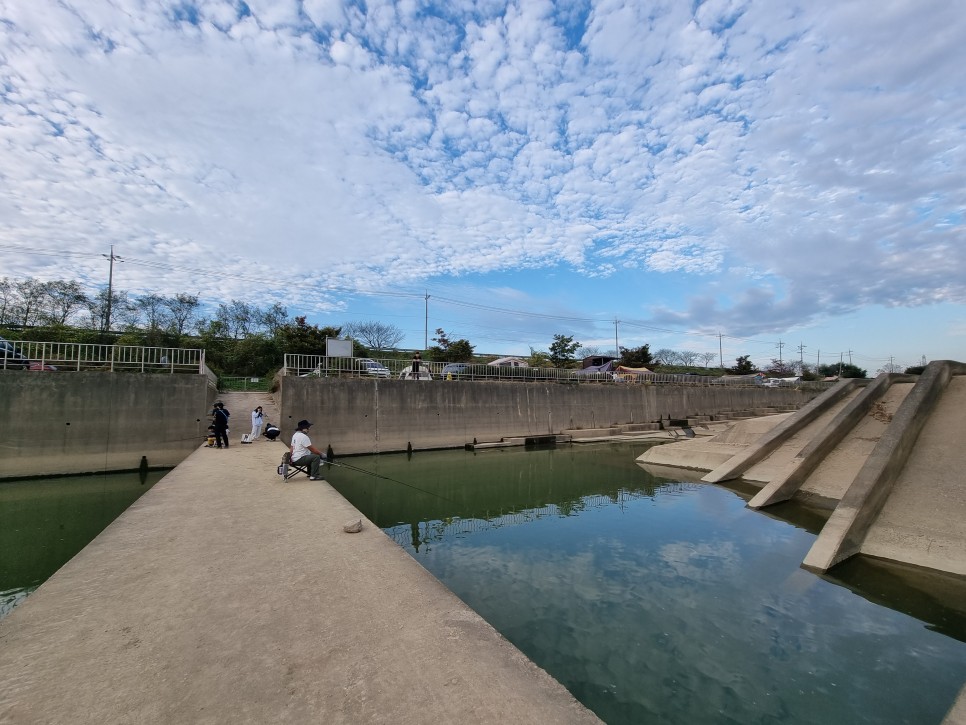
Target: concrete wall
66	423
362	416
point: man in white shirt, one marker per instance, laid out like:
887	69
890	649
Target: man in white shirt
304	453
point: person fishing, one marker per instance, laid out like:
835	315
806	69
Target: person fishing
304	453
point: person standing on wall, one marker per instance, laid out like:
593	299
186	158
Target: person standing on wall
257	420
304	453
220	421
414	368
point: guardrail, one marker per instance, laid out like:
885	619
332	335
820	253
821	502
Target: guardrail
72	357
320	366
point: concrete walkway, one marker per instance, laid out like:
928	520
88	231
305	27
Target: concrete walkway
227	596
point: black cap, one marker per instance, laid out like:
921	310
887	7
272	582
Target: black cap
304	424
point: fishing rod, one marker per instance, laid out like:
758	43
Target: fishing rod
394	480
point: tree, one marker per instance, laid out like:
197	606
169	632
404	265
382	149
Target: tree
274	318
744	366
153	310
460	351
237	317
562	350
181	311
301	338
707	358
102	314
665	356
538	359
844	370
6	300
376	335
28	307
446	350
638	357
688	357
780	369
64	299
890	368
588	351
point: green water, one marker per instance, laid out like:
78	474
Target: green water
669	602
44	522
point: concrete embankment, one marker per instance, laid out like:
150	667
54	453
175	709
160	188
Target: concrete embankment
81	422
226	596
366	416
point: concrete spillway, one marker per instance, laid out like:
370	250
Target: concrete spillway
883	455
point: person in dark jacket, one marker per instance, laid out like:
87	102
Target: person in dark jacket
272	431
220	421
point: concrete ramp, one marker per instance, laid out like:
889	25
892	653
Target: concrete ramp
907	502
787	438
837	444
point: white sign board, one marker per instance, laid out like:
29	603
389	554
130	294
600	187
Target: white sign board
334	347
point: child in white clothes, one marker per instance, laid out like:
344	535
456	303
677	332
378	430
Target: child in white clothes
257	420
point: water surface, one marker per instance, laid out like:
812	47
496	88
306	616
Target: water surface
665	601
44	522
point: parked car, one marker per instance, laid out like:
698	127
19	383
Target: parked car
370	367
10	357
455	371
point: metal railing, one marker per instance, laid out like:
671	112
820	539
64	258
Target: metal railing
72	356
320	366
244	384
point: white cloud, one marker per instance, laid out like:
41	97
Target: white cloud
817	147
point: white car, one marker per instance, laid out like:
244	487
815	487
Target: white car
366	366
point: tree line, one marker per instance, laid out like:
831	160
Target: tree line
244	339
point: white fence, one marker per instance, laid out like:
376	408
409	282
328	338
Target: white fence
320	366
70	356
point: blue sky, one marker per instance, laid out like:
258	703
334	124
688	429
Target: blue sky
711	175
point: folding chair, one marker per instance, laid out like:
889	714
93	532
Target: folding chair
287	469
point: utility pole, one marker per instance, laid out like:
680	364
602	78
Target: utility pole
426	324
780	345
110	287
840	364
801	357
720	355
617	348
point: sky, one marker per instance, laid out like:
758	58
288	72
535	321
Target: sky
771	179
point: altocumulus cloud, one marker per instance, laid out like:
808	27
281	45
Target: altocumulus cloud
794	156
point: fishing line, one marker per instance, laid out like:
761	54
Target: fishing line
394	480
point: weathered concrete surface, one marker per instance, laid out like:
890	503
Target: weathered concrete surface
376	416
227	596
707	454
915	448
789	436
957	715
840	464
923	520
98	421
